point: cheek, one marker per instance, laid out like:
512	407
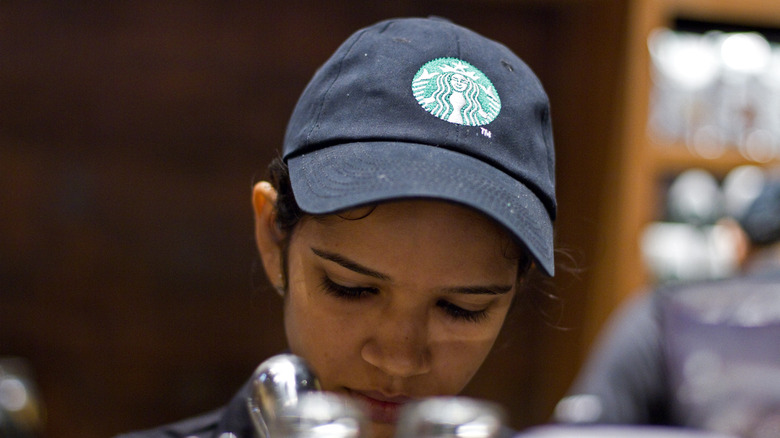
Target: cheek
458	360
460	351
326	339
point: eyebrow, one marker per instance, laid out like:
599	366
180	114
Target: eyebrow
360	269
480	290
349	264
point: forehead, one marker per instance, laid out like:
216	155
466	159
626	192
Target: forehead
414	229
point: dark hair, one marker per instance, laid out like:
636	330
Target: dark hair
289	214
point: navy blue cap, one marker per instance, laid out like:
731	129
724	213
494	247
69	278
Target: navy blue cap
423	108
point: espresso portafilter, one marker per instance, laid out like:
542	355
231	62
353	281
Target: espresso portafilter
286	401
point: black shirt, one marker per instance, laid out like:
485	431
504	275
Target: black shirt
232	418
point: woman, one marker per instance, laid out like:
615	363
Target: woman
396	234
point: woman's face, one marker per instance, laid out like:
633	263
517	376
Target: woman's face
459	82
397	303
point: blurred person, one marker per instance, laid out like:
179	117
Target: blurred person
413	202
632	375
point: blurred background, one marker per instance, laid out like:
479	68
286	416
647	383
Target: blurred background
131	134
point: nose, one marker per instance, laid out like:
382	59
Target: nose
399	344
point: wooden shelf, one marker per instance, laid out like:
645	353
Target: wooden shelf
744	12
677	156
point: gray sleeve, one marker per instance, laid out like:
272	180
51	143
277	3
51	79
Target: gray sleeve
623	381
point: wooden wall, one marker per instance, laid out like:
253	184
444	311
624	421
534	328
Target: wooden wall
130	136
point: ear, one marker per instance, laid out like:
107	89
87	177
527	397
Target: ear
267	235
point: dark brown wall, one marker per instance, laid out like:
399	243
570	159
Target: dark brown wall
130	135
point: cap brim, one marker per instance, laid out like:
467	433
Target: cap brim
353	174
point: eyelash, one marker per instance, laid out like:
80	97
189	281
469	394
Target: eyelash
459	313
356	293
345	292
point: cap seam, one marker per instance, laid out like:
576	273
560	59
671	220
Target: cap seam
326	95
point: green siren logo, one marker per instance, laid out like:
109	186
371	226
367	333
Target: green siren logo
456	91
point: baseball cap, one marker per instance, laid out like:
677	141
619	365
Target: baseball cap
423	108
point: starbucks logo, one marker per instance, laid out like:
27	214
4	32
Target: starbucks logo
456	91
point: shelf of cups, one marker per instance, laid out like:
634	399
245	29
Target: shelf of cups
677	156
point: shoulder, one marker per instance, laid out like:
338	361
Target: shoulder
758	278
203	426
717	294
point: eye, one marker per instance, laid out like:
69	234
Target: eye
346	292
461	314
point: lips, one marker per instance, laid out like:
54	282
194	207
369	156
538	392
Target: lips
379	407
